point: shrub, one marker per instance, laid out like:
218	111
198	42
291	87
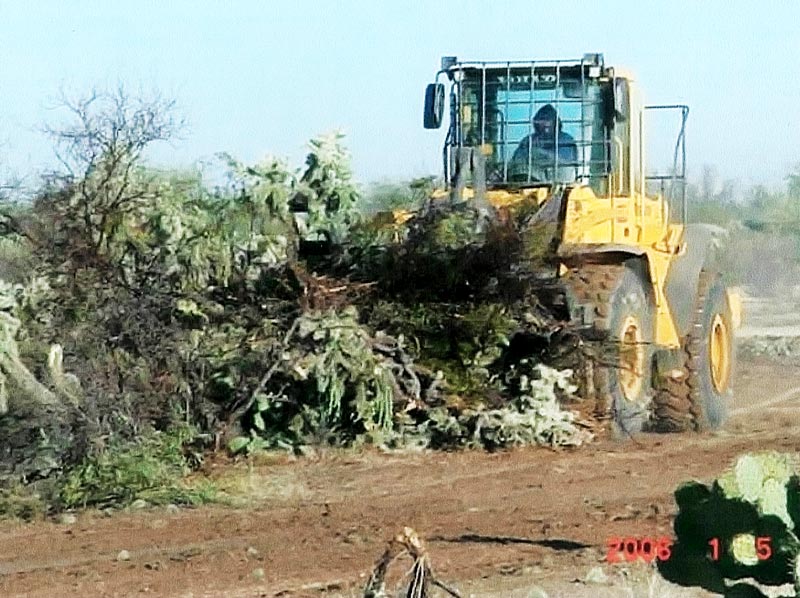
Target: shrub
151	468
21	502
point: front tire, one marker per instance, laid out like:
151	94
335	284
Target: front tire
624	315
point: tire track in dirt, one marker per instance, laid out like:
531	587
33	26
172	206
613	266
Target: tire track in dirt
789	395
177	553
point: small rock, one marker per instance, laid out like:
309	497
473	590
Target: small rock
124	555
139	504
172	509
596	575
259	574
67	519
252	552
536	592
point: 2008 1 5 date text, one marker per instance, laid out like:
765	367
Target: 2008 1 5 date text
630	549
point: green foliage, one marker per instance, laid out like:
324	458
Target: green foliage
266	186
327	186
454	231
535	417
16	380
463	340
330	385
758	497
170	227
343	364
375	238
338	383
446	253
151	468
195	239
101	149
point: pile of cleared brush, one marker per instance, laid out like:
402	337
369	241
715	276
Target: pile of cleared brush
156	303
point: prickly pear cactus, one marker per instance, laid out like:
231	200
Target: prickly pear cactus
744	525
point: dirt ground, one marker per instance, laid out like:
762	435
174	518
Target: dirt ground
513	523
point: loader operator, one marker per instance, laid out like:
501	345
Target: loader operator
545	125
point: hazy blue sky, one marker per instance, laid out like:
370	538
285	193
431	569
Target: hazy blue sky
258	77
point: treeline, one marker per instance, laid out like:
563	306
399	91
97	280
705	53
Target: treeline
763	249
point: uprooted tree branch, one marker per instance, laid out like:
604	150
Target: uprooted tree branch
420	577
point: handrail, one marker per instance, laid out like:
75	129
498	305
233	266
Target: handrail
617	143
680	148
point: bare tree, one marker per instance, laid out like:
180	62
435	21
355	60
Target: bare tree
101	150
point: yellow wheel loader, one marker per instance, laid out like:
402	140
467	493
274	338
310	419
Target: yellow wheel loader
565	139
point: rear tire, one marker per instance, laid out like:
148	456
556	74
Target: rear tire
700	399
712	358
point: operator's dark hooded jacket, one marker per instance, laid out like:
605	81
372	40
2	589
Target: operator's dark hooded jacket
567	150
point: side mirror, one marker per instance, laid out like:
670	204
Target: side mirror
434	105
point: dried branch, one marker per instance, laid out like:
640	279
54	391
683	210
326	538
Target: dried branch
421	575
